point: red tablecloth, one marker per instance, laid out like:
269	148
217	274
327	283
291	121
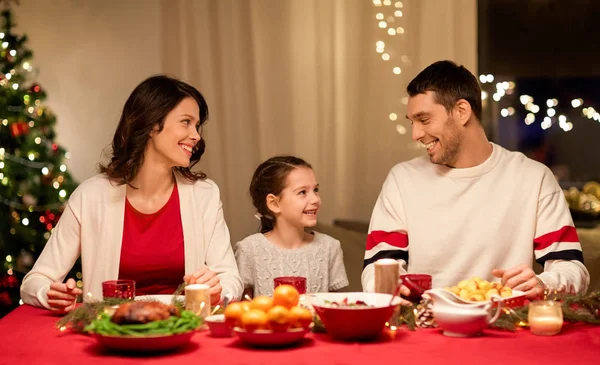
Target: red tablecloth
28	336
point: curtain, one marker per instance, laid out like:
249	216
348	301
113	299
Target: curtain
303	77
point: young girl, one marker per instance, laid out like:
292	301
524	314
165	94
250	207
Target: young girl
146	216
285	193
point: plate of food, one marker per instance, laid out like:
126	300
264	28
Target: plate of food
144	326
477	290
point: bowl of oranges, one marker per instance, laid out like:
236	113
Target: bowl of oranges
270	321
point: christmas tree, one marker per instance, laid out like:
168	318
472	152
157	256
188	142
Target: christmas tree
34	182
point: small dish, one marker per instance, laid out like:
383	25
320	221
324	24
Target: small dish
217	326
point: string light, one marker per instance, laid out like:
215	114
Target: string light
401	129
386	19
530	118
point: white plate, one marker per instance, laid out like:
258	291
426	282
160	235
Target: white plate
517	299
163	298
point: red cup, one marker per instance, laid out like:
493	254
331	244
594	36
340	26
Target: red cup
417	283
298	282
123	289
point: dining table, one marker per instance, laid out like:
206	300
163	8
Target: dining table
29	335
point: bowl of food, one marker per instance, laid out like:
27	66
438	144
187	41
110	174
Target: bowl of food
354	316
144	326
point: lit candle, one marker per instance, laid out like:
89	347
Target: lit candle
197	299
545	317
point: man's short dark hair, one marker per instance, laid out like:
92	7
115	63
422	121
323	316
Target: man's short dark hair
450	82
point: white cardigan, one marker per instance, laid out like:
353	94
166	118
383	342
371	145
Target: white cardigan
92	225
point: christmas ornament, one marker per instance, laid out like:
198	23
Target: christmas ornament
19	128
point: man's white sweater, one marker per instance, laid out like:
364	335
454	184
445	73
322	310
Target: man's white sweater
458	223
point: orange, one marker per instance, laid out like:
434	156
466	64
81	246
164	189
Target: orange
254	319
262	303
234	312
285	295
278	318
246	305
300	317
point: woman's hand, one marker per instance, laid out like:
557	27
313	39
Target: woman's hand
62	297
208	277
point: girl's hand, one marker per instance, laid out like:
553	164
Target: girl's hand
208	277
62	297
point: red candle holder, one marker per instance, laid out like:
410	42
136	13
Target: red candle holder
123	289
298	282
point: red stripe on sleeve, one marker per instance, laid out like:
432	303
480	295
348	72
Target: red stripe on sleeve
396	239
565	234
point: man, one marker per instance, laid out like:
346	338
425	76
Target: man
471	208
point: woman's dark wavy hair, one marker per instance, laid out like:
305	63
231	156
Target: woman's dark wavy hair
269	178
146	108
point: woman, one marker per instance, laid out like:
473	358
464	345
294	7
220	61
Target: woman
146	216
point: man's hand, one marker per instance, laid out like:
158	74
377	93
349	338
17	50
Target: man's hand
405	292
62	297
521	277
208	277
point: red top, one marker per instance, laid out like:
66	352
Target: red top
152	248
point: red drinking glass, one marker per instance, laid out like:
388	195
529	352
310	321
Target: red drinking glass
417	283
298	282
124	289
